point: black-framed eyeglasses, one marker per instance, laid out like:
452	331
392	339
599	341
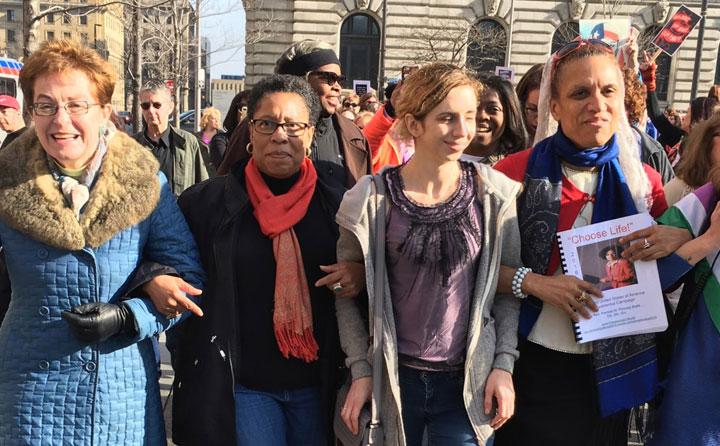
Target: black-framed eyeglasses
71	108
330	77
267	127
146	105
350	104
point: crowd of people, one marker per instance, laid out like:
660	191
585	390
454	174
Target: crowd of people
401	252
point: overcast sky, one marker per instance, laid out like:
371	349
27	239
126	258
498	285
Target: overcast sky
224	24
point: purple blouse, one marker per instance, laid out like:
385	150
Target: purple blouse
432	261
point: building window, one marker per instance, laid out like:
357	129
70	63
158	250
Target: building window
10	15
662	74
50	35
10	35
66	19
67	35
564	33
83	20
50	18
487	47
360	48
84	37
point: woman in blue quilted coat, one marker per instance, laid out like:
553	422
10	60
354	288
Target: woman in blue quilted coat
81	205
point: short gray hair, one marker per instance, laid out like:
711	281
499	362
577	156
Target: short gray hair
156	85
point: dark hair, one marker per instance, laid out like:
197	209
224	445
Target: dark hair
285	83
614	248
635	96
695	165
514	137
582	52
389	90
231	121
530	81
701	109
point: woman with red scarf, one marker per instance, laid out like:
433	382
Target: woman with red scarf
260	367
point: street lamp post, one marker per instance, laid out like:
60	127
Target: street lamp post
381	72
698	51
198	60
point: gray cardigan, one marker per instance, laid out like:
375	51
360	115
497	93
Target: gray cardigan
492	332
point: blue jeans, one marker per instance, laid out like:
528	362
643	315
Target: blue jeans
283	418
434	401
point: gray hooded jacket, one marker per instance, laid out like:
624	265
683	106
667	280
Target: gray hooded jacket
492	332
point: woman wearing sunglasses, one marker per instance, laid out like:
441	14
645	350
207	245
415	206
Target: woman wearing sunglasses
339	150
584	168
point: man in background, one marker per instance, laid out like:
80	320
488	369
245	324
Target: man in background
11	120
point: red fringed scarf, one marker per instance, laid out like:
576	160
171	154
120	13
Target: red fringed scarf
277	215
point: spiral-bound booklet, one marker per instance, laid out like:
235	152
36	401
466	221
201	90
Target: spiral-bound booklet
632	301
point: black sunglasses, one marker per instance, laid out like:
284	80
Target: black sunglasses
146	105
330	77
350	104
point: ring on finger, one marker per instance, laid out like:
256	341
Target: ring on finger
337	287
582	298
647	244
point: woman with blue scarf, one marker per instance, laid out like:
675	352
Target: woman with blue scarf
584	168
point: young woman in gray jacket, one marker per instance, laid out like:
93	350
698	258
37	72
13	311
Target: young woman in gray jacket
449	341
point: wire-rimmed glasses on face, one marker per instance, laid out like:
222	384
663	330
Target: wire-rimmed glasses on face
267	127
71	108
330	78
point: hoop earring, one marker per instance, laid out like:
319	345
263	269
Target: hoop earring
308	151
249	148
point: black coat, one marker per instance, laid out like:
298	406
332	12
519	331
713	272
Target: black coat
203	402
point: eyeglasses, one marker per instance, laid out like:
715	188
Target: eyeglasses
350	104
71	108
576	44
330	77
146	105
268	127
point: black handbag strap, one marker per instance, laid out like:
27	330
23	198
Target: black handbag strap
379	296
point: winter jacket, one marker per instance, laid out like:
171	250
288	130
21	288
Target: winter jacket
492	330
55	390
653	154
191	162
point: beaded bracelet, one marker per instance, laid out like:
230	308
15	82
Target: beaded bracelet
518	280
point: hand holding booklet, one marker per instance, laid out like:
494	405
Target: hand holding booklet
632	301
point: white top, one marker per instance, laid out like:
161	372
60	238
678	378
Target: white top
554	328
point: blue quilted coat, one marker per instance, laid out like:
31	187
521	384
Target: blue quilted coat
54	390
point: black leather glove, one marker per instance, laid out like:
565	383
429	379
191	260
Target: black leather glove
97	321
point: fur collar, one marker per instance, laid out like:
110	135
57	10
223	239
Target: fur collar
125	192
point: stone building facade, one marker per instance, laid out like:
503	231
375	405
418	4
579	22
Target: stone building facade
439	30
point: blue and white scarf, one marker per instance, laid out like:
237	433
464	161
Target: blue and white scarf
626	373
